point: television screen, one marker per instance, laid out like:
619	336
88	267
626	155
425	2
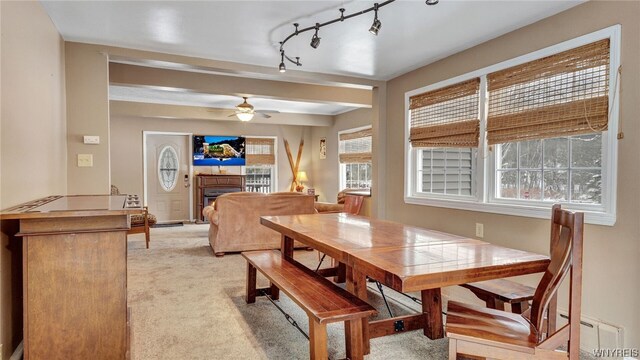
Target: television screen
218	150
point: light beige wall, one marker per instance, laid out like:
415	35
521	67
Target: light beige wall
33	137
325	171
611	267
126	145
87	82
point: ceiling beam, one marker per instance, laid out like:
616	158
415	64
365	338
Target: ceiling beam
163	111
134	75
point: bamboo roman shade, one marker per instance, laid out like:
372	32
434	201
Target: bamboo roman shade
355	147
260	151
559	95
446	117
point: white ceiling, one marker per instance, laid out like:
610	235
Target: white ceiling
160	96
412	35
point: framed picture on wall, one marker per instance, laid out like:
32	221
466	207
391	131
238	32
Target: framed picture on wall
323	148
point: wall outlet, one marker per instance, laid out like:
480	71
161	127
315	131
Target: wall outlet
479	230
85	160
91	140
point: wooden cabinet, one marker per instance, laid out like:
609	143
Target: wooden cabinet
209	187
75	276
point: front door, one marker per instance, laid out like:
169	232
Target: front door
168	188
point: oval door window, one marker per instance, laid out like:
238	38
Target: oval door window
168	168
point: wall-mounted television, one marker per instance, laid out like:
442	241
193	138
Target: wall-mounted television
218	150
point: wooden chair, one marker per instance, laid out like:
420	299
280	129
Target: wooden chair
353	204
140	223
489	333
495	293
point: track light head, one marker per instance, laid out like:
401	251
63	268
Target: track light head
375	27
282	68
315	40
431	2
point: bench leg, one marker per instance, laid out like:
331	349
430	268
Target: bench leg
318	340
493	303
519	307
275	292
353	337
251	284
357	285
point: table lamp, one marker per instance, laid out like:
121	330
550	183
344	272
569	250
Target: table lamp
300	179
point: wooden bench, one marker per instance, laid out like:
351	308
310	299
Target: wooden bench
495	293
323	301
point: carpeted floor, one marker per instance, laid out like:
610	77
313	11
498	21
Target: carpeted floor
188	304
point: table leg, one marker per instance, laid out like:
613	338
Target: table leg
357	285
286	247
342	272
432	309
251	284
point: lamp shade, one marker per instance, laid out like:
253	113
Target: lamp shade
244	116
302	176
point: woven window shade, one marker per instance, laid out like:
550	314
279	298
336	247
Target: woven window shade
447	117
260	151
559	95
355	147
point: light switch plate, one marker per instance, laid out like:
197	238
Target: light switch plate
91	140
85	160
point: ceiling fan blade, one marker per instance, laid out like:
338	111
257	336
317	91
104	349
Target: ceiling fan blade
268	111
263	115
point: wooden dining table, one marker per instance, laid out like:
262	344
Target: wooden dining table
403	257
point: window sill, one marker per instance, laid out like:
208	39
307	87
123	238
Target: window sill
541	212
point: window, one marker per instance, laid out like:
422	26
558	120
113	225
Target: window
566	169
547	134
168	168
355	158
261	164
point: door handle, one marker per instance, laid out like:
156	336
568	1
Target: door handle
186	180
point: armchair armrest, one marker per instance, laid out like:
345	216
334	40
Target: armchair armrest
323	207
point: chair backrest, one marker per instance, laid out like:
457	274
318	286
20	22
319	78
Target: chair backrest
353	204
566	257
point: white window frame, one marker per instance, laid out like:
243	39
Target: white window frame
342	168
274	180
485	199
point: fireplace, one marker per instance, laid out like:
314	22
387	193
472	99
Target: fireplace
210	195
209	187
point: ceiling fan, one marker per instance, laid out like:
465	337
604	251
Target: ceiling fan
246	112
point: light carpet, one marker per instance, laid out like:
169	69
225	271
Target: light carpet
188	304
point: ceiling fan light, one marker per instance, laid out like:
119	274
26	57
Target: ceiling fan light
375	27
244	116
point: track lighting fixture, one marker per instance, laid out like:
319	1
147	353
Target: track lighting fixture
375	27
282	68
315	39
